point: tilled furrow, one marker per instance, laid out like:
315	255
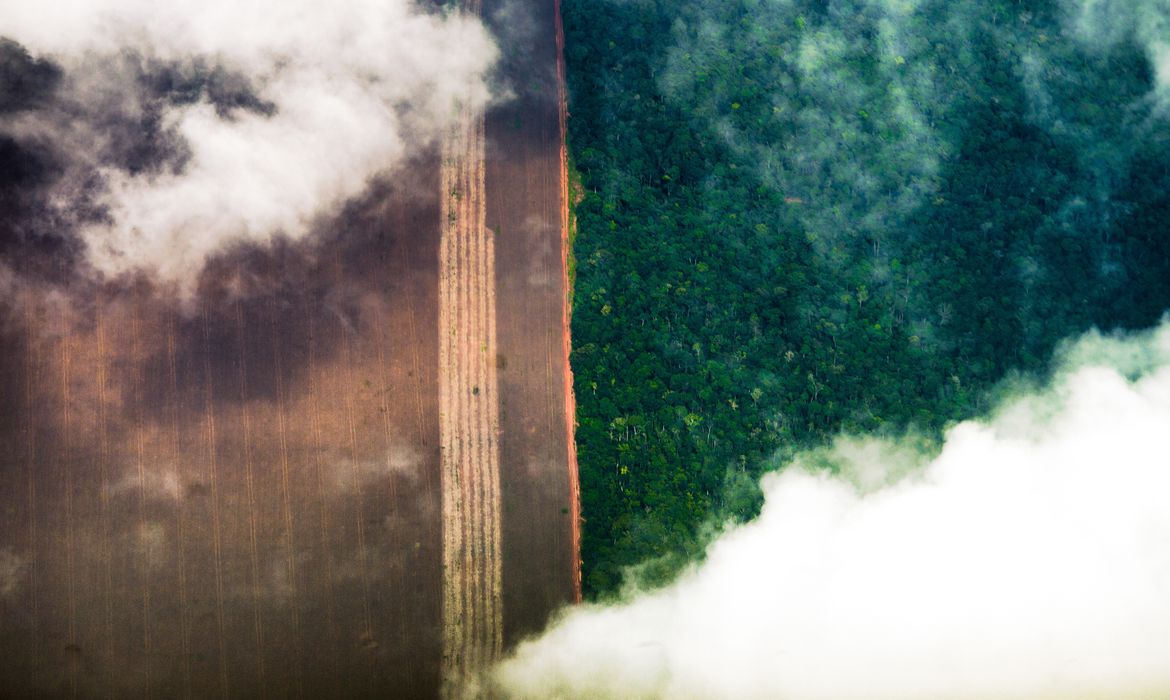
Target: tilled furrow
469	416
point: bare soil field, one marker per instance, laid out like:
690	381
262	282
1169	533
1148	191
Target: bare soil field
238	499
343	470
469	415
525	211
506	420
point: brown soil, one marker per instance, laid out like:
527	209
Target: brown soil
236	500
567	312
243	495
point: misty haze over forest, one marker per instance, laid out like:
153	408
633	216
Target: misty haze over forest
800	218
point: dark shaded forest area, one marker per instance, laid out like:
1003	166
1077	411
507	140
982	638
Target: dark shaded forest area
798	218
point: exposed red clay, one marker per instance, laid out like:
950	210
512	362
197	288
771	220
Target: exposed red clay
567	309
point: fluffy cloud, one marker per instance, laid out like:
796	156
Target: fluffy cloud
1107	23
188	126
1029	558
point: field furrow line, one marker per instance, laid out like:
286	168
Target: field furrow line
286	498
180	511
415	374
250	493
491	400
31	383
383	388
359	491
471	389
469	416
462	467
67	466
104	495
213	477
449	481
478	395
140	458
469	466
322	494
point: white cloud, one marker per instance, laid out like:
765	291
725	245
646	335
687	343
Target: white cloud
1029	559
357	87
1105	23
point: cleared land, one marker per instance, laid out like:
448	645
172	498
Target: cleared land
238	500
469	416
524	183
244	496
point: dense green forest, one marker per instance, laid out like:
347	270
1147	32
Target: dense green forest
800	217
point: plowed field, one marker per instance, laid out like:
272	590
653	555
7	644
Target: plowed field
342	470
